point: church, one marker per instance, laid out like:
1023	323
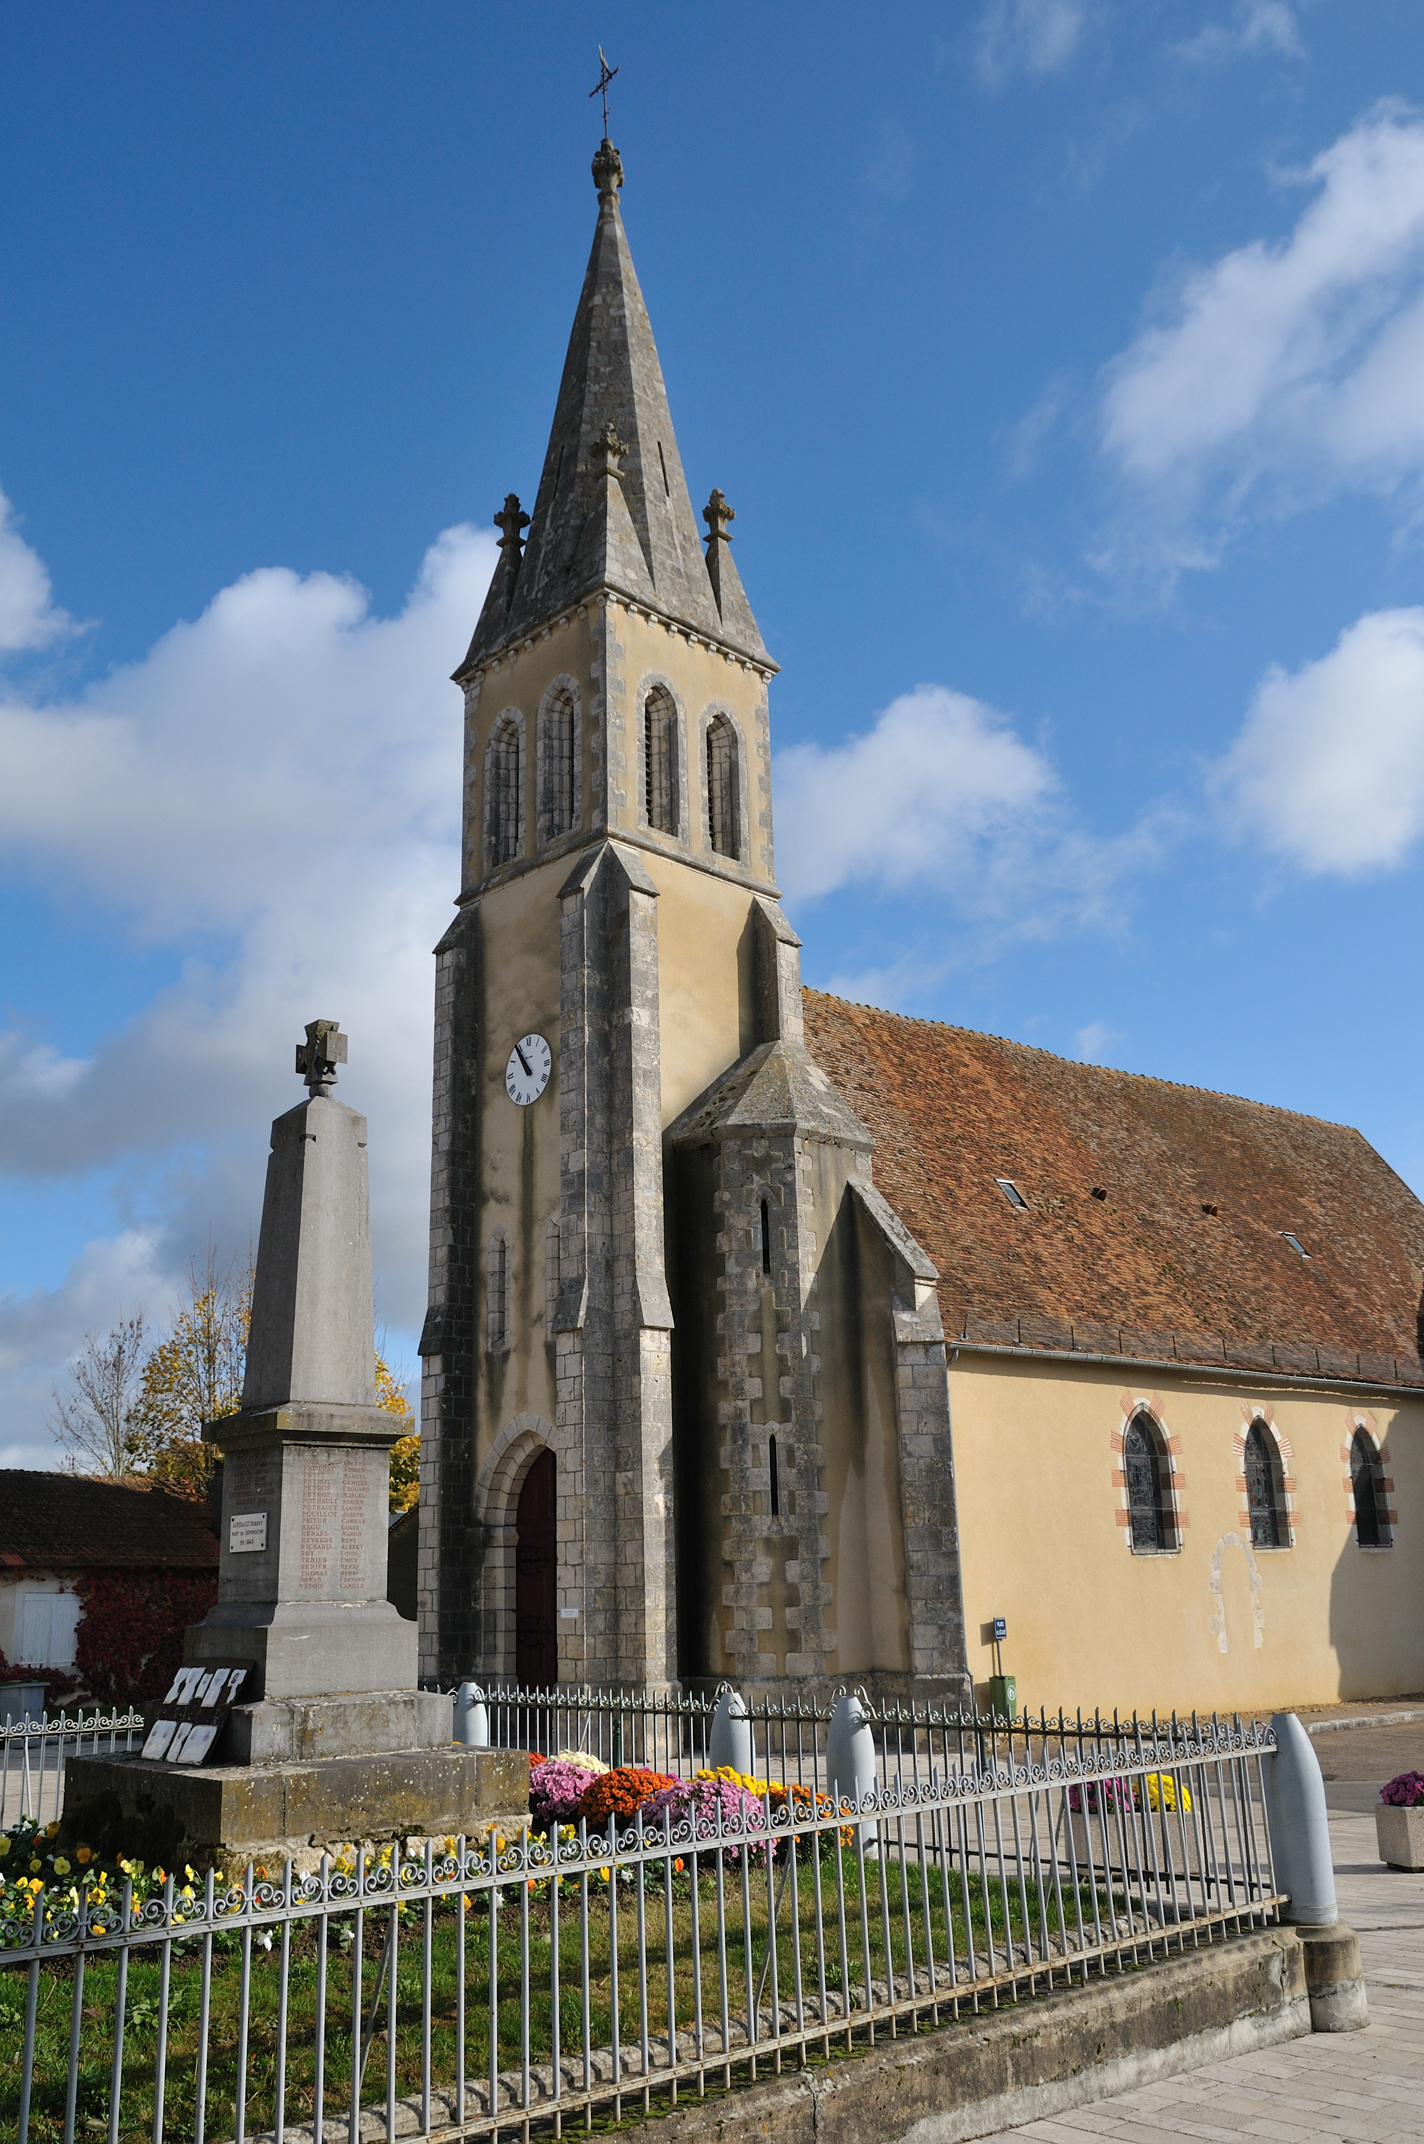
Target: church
777	1340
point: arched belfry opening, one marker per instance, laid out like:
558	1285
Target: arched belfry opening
536	1628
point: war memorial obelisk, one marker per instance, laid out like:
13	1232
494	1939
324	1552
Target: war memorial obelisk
331	1739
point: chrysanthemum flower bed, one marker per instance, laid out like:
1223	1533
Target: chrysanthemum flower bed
1404	1791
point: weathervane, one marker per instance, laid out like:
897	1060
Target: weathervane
600	87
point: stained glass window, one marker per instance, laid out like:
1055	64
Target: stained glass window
1144	1463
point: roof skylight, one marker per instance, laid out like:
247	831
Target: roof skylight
1012	1193
1294	1241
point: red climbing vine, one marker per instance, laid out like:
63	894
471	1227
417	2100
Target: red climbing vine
130	1635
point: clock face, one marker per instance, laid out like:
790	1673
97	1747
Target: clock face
527	1073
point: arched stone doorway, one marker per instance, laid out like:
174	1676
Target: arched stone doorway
536	1645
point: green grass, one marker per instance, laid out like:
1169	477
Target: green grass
971	1906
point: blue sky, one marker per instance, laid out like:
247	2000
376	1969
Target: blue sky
1064	362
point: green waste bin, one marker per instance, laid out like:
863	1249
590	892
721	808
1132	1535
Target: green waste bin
1003	1697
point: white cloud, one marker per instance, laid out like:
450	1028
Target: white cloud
1287	371
1094	1042
1255	26
1328	772
942	795
273	791
1027	37
28	618
40	1331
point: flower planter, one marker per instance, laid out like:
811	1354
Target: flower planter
1401	1836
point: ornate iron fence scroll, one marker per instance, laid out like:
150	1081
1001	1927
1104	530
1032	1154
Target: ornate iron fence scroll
478	1986
32	1758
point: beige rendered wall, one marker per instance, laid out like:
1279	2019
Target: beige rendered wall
1215	1624
519	925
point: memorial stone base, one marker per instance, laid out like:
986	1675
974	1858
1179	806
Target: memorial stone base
225	1815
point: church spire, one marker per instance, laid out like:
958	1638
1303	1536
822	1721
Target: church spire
613	508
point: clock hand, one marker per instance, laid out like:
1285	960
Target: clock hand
528	1068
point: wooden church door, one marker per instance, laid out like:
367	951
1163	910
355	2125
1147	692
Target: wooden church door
536	1651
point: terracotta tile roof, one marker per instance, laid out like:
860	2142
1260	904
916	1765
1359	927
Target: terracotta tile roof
1146	1271
68	1522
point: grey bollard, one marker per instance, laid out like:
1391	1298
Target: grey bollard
851	1770
471	1718
1300	1827
730	1743
1300	1848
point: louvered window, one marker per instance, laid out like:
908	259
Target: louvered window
659	760
506	793
558	774
1263	1487
722	829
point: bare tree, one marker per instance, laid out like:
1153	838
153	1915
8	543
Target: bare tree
94	1414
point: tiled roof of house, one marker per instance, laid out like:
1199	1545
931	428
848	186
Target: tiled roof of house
68	1522
1185	1257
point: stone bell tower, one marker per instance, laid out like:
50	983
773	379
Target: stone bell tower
686	1409
602	971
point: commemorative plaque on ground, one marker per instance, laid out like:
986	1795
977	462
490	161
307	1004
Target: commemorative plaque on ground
327	1737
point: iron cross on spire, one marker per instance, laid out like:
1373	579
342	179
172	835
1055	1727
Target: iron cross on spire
600	87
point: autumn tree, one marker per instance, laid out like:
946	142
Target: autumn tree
195	1375
93	1414
405	1452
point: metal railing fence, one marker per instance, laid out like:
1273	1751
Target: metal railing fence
32	1758
482	1987
671	1731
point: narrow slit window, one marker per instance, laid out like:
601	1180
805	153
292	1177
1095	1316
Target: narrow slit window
497	1308
765	1237
1012	1193
1263	1487
775	1479
659	767
722	828
662	464
553	1274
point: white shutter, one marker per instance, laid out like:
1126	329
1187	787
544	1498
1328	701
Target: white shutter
64	1621
47	1625
35	1630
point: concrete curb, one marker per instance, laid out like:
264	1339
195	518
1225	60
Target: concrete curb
1365	1719
1040	2058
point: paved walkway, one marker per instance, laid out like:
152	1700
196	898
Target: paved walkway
1361	2087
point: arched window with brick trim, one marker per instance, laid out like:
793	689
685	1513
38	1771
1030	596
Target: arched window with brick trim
558	765
504	784
660	760
1265	1500
1144	1460
1367	1488
723	831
